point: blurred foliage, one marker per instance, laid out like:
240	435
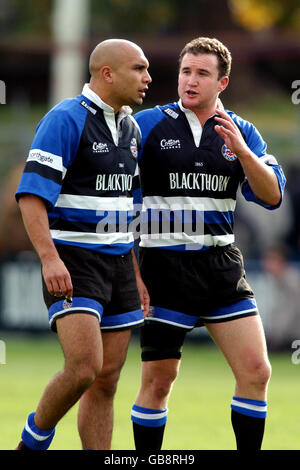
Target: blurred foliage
158	16
25	18
19	17
108	16
33	17
259	15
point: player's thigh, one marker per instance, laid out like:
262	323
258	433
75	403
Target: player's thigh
242	342
80	338
115	346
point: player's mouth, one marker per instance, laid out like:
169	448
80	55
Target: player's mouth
191	93
142	92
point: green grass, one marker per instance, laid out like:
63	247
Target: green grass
199	408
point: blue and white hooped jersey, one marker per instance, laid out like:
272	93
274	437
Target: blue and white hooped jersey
83	163
189	179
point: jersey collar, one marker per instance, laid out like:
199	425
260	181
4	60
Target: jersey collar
194	123
188	111
108	112
89	93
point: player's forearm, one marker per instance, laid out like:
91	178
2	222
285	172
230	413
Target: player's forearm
36	223
261	178
142	289
135	264
55	273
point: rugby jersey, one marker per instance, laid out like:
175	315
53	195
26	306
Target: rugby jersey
189	179
83	163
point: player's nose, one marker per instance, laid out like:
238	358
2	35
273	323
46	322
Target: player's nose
147	78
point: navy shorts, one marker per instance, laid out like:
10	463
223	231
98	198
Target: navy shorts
188	290
104	285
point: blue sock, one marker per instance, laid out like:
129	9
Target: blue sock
35	438
149	417
249	407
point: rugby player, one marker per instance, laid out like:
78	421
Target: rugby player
194	158
76	188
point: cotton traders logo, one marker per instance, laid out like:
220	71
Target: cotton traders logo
170	144
98	147
133	147
228	154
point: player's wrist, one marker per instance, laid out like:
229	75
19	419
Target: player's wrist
245	155
49	256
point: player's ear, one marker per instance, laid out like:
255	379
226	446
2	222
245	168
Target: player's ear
223	82
106	73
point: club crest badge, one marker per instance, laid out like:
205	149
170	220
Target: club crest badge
151	312
228	154
67	303
133	147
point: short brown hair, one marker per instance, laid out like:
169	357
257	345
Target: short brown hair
204	45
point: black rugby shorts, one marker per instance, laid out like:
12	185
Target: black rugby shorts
188	290
104	285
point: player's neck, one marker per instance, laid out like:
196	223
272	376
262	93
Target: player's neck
105	96
204	113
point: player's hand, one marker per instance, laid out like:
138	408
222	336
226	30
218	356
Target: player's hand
144	296
230	133
57	278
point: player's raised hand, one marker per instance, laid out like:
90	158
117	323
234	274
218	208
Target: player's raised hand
230	133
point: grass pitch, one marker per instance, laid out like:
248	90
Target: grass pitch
199	408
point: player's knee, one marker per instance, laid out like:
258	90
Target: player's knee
161	384
257	373
107	381
262	373
84	374
260	368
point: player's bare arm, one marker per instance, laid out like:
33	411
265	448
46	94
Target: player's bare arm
261	177
143	291
56	276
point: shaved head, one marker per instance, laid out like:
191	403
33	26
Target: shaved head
112	53
119	73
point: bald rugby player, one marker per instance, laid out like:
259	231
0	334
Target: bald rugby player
76	186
